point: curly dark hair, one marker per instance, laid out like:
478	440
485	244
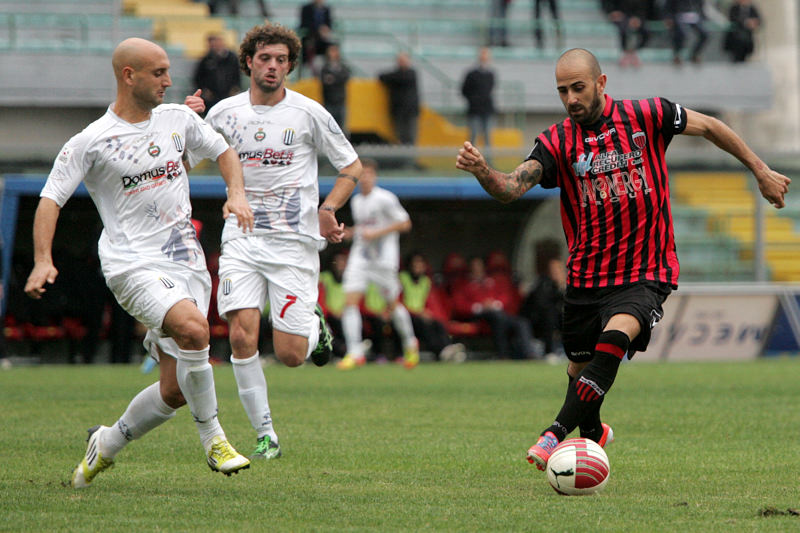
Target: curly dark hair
268	34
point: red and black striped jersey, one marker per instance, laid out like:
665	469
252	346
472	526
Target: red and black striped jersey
615	191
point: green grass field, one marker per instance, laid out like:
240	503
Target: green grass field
700	447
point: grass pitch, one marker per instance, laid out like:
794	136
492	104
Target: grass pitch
700	447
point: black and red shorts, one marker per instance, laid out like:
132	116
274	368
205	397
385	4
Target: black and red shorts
587	311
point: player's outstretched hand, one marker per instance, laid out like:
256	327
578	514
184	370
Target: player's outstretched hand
773	186
471	160
194	102
42	273
330	228
237	204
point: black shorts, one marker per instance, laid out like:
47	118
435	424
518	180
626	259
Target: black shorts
587	311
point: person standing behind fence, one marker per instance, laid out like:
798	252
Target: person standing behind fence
403	98
217	73
316	23
683	15
478	88
744	21
334	76
538	31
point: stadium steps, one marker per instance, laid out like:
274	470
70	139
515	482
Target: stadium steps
729	199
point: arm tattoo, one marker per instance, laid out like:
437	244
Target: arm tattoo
508	187
350	177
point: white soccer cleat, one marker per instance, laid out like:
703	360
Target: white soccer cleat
93	462
222	457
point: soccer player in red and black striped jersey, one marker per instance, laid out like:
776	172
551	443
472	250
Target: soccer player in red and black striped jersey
608	158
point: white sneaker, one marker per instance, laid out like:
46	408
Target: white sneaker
456	353
93	462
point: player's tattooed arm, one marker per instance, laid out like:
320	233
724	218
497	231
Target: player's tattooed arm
503	187
346	176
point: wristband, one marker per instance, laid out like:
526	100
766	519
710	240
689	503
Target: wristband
327	208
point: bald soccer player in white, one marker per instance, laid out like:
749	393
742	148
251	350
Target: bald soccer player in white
131	163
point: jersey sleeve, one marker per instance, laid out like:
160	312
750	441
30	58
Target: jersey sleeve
69	169
673	118
395	210
541	152
202	141
330	139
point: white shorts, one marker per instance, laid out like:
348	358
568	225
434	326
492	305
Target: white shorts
147	294
358	274
255	267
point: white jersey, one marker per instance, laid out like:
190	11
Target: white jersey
278	147
378	209
136	178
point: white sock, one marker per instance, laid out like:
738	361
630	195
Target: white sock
146	411
402	322
313	337
351	324
253	393
196	379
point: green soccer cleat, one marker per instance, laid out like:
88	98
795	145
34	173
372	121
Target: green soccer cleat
324	350
223	458
93	462
266	448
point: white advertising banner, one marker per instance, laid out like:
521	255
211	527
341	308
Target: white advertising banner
712	326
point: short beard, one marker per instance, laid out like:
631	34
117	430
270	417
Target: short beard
594	111
265	88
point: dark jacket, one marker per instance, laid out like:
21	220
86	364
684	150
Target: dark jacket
477	89
309	25
403	94
334	78
217	76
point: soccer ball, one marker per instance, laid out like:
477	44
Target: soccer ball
577	467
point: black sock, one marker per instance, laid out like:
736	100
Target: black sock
586	392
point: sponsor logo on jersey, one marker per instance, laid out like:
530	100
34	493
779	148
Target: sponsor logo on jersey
152	178
288	136
260	135
600	137
583	164
614	187
177	140
266	157
153	149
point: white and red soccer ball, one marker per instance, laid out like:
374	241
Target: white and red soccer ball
578	467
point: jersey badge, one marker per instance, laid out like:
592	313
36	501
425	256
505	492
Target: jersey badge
288	136
177	140
260	135
153	149
639	139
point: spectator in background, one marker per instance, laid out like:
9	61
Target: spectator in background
331	299
745	20
629	17
683	15
538	34
403	98
233	7
477	88
315	31
481	297
428	311
498	32
544	304
217	73
334	76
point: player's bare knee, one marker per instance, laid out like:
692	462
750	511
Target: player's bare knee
290	357
575	368
193	334
171	394
242	342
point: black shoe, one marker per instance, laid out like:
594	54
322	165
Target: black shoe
324	349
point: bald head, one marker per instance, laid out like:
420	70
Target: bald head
135	53
579	60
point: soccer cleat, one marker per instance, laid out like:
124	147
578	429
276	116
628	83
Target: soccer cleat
608	436
324	349
93	462
351	361
266	448
411	355
539	453
223	458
